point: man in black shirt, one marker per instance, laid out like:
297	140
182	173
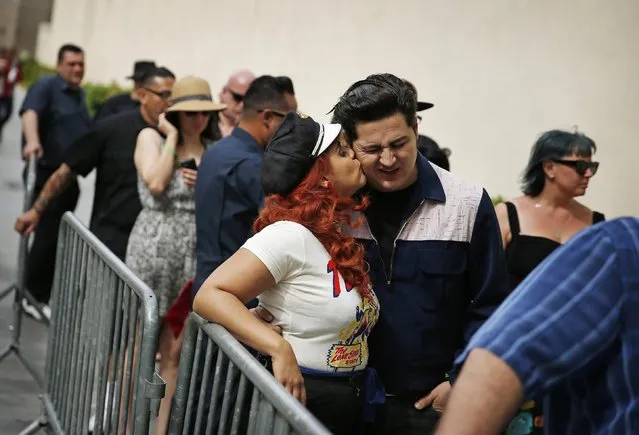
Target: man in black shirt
109	147
126	101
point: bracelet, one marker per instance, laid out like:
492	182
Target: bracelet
169	148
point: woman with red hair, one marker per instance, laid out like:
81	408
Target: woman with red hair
308	272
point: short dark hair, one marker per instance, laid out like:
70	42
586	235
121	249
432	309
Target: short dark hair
160	71
286	84
376	97
412	86
68	48
553	144
265	92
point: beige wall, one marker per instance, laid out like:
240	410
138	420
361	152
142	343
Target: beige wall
499	71
8	22
31	14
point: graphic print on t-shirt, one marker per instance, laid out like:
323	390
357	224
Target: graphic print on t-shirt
337	287
352	349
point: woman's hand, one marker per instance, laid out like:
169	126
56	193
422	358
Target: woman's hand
189	176
165	127
287	371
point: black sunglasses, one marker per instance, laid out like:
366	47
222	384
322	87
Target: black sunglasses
580	166
193	114
165	95
237	97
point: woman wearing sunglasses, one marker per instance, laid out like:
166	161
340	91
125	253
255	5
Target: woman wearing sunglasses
161	249
546	216
308	272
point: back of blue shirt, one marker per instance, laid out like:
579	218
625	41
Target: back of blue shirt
228	195
570	332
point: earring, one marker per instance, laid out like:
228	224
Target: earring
326	183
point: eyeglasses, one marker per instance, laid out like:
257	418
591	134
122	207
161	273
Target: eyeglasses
237	97
165	95
194	114
275	112
580	166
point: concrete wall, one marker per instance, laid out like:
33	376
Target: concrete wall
499	71
8	22
31	14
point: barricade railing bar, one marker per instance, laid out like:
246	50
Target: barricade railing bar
19	289
101	344
241	398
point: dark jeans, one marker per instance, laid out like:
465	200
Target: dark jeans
399	416
334	402
41	259
6	109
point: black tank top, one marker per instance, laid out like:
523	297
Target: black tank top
524	253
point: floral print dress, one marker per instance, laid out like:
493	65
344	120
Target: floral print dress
161	249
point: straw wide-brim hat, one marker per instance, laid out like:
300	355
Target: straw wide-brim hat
193	94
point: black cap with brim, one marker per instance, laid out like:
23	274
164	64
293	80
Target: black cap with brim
140	68
292	150
422	105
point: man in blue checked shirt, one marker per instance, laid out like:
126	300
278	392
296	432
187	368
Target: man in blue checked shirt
569	333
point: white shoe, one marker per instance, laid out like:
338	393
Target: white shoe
31	310
46	311
92	423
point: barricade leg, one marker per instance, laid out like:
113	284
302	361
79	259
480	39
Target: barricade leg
34	427
19	290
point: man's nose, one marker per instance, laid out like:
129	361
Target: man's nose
387	158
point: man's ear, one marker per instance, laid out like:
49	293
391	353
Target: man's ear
268	116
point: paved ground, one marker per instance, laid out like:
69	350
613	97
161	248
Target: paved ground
19	404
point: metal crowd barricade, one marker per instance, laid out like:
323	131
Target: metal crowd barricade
102	342
242	396
19	288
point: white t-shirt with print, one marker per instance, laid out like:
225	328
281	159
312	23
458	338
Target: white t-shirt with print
326	322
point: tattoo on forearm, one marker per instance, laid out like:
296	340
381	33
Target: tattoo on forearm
55	185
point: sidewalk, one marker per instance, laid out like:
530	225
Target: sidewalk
19	404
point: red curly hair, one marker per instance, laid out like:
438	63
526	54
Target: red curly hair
324	213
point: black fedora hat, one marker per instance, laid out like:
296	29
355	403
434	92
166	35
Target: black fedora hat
140	68
292	150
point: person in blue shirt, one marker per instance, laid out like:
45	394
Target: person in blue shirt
228	191
435	253
569	333
54	114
